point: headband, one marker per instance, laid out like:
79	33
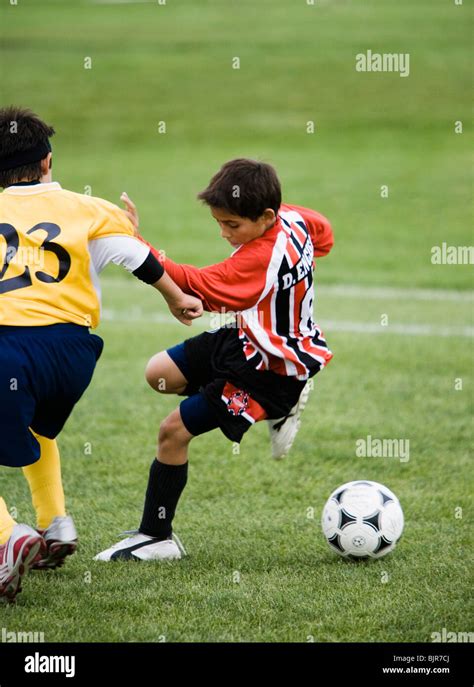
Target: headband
25	157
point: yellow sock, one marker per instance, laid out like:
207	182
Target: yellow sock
44	479
6	522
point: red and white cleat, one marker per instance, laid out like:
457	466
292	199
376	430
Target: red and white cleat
17	556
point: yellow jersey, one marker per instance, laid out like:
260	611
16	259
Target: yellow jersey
51	250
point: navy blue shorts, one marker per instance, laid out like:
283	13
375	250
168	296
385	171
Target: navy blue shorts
43	373
224	389
196	413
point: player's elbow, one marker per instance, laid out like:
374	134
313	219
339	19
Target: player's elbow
324	248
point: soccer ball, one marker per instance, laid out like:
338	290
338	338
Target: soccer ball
362	520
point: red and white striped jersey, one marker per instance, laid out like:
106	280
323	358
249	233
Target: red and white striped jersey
268	283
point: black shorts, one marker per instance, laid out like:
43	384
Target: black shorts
224	388
43	373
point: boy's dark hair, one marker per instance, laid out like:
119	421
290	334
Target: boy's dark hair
245	188
24	142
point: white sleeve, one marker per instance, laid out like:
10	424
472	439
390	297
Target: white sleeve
121	250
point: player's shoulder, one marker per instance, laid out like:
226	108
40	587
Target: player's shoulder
90	202
259	251
56	194
299	212
100	216
314	222
294	213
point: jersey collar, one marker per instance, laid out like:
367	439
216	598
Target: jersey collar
32	189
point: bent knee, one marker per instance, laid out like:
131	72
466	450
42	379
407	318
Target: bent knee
163	375
155	374
172	429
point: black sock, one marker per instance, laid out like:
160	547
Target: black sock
165	484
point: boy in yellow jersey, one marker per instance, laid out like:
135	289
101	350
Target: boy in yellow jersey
53	245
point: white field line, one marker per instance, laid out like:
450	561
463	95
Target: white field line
393	293
140	317
348	291
122	2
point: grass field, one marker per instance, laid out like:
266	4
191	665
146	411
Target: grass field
258	567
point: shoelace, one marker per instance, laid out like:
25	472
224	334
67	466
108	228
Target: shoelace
280	424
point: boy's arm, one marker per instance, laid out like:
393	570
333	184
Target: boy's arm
112	239
239	282
235	284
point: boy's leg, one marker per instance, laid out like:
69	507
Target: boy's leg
167	372
166	481
167	478
169	471
7	523
20	545
65	362
29	399
47	494
44	480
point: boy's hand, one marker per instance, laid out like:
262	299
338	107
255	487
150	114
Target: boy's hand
131	211
186	309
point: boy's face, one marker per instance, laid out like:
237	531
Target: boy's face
238	230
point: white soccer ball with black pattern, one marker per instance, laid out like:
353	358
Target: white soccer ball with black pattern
362	519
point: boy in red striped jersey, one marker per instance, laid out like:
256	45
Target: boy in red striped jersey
236	375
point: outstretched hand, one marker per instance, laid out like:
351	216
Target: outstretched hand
131	211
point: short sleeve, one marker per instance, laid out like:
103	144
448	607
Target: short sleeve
108	220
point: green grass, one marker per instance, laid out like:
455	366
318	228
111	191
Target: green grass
245	516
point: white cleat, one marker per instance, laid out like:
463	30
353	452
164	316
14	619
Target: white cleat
141	547
284	430
61	541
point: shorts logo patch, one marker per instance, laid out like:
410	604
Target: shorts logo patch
238	402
